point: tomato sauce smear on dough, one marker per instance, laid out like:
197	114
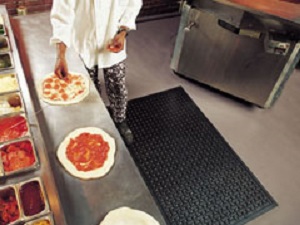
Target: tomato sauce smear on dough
87	151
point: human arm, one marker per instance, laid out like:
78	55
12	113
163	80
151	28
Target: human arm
130	14
118	42
126	23
62	19
61	65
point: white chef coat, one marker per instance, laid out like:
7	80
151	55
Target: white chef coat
89	25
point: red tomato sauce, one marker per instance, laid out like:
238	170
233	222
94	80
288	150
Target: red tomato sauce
17	155
9	209
87	151
12	128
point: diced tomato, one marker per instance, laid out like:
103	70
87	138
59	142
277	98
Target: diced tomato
9	210
5	216
21	154
4	157
17	155
11	155
12	148
26	145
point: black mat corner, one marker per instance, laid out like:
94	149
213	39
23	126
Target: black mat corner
192	172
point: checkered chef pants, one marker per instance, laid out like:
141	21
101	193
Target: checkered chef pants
116	90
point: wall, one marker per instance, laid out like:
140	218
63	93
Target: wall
150	7
158	7
31	5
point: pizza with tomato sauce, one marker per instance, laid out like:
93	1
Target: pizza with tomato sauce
72	89
87	153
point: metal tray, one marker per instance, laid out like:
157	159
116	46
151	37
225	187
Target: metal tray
5	106
34	166
5	79
47	217
42	189
27	134
2	189
4	43
46	213
2	25
6	61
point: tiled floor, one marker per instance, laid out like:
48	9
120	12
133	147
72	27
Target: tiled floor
268	140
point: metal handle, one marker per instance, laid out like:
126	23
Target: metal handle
188	28
228	26
243	32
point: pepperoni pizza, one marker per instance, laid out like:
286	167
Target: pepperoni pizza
71	89
87	153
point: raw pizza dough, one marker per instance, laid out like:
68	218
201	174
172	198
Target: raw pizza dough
62	92
128	216
62	157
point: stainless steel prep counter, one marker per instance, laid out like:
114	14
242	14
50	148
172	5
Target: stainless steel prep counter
42	171
84	202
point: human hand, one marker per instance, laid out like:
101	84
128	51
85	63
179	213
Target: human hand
61	68
117	43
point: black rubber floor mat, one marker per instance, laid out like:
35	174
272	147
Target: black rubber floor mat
192	172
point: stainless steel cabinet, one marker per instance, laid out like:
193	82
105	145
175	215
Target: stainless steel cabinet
236	52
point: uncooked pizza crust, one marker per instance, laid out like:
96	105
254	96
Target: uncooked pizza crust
62	157
71	90
126	216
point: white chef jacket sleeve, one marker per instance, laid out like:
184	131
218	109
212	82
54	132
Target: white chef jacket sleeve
131	12
62	18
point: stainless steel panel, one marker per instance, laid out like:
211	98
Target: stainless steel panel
232	63
225	12
84	202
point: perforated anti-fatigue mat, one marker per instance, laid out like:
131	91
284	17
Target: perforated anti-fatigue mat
192	172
